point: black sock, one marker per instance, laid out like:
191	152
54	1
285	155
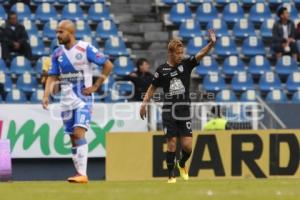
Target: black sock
170	163
184	157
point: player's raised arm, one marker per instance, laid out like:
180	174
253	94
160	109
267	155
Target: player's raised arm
148	96
207	48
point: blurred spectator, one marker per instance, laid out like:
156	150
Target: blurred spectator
141	79
15	37
298	36
284	35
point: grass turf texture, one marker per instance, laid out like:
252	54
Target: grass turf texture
264	189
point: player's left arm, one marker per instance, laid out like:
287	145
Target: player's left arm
99	59
207	48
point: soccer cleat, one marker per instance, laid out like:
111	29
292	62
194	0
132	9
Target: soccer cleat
78	179
183	172
172	180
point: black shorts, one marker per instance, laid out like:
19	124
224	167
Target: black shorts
178	125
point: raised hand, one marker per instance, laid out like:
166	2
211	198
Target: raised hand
212	36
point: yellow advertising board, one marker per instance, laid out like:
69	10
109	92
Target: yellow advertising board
219	154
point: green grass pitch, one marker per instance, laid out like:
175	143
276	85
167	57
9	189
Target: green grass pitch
241	189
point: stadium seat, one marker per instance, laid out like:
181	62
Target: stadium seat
293	82
266	28
6	80
286	65
1	99
232	65
39	66
72	11
54	44
37	96
195	45
232	12
259	13
276	3
90	40
269	81
3	67
67	1
225	47
225	2
199	2
26	82
243	29
276	96
259	65
171	2
45	12
249	96
296	97
106	29
3	14
123	66
93	1
219	26
115	46
179	13
213	82
82	29
30	27
207	65
251	2
253	46
206	12
242	82
19	65
297	3
16	96
22	10
121	91
226	96
49	30
98	12
37	46
189	29
43	1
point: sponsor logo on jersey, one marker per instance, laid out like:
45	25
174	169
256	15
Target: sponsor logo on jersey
180	68
79	56
80	48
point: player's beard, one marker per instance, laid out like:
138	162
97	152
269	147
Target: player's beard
63	41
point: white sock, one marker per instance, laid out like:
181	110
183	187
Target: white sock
74	158
81	159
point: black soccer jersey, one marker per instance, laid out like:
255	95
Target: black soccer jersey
175	81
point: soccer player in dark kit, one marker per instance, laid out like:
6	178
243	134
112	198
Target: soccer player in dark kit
174	77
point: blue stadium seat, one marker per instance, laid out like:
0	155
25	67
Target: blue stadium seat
195	45
199	2
213	82
121	91
251	2
93	1
293	82
276	96
115	46
179	13
1	99
30	27
49	30
171	2
123	66
45	12
37	46
3	14
43	1
266	28
225	47
106	29
259	65
249	96
232	65
242	82
243	29
6	80
259	13
219	26
233	12
3	67
98	12
225	2
207	65
72	11
82	29
22	10
297	3
16	96
253	46
26	82
226	96
206	12
39	66
90	40
286	65
296	97
54	44
269	81
275	3
19	65
68	1
189	29
37	96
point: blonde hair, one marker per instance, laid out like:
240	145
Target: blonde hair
174	44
